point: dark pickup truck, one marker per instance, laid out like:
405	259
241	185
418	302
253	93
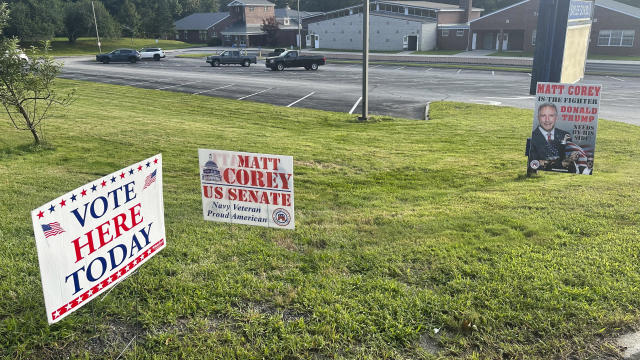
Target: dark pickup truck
232	57
291	58
129	55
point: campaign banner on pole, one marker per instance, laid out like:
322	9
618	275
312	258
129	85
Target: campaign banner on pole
95	236
565	122
247	188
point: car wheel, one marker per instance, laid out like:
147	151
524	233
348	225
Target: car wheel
156	57
133	59
307	67
280	66
105	61
314	66
273	68
215	63
246	63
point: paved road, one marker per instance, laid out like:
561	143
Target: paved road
394	90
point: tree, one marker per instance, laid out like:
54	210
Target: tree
129	18
78	20
271	27
34	20
26	85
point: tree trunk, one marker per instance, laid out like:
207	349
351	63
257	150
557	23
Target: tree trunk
36	138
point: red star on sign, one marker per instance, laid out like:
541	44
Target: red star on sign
103	183
83	192
40	215
121	175
140	168
63	203
155	161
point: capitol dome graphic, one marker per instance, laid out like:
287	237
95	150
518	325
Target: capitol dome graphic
210	171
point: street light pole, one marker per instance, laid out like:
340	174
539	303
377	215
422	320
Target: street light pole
365	61
299	29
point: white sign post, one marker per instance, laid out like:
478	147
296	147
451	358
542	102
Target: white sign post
247	188
95	236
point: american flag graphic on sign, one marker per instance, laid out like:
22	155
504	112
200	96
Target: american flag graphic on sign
149	179
52	229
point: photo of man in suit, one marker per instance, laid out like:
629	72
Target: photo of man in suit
547	142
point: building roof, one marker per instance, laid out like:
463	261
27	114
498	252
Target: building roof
419	19
427	5
500	10
243	29
287	12
251	2
619	7
200	21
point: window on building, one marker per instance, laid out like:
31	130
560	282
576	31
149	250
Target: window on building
445	32
177	36
252	8
203	35
616	37
459	32
533	37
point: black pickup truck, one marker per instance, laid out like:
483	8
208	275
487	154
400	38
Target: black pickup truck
291	58
232	57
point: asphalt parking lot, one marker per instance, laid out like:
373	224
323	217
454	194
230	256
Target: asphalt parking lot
401	91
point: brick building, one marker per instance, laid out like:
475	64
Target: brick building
396	25
513	28
241	25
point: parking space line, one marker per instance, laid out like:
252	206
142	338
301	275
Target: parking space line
218	88
172	86
259	92
459	71
355	105
302	98
614	78
429	69
493	73
374	66
400	68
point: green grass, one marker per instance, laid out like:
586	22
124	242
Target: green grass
590	56
428	65
612	57
353	51
89	46
512	54
402	227
438	52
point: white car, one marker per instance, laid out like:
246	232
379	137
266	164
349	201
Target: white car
152	53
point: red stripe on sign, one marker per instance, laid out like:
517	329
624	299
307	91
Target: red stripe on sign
98	288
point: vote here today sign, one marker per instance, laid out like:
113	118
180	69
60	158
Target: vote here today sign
95	236
247	188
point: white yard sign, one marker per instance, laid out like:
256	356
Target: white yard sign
247	188
95	236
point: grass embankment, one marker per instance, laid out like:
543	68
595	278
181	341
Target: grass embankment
589	56
89	46
402	227
438	52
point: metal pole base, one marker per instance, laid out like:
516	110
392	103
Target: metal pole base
363	118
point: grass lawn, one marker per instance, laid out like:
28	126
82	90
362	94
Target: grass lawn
438	52
590	56
403	227
352	51
89	46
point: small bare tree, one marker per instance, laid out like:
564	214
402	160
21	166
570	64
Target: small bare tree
27	89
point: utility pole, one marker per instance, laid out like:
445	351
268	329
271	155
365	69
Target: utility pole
365	61
96	22
299	29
